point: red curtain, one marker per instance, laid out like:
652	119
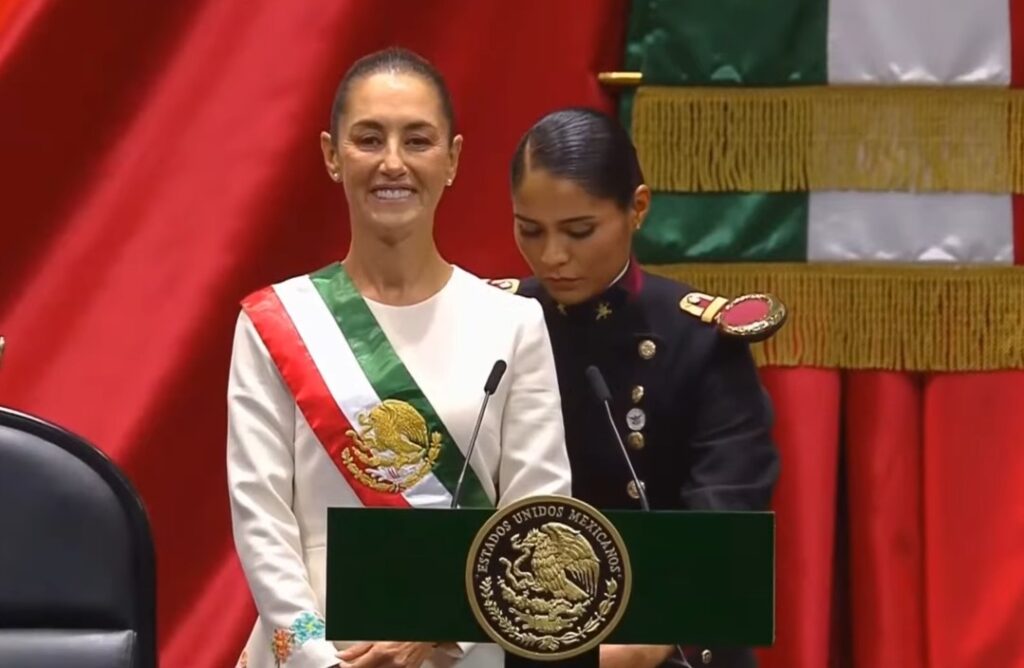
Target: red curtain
927	518
160	160
807	406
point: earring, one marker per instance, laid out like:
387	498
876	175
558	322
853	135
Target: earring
335	176
450	181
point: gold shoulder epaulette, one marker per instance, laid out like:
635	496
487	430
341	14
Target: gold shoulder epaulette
506	284
752	317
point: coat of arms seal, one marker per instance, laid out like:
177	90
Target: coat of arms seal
548	577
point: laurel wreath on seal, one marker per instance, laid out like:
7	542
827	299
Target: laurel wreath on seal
550	643
385	485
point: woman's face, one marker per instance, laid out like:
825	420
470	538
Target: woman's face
575	243
393	154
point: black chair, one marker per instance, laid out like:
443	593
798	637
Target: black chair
77	572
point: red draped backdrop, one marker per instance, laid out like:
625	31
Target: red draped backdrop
159	159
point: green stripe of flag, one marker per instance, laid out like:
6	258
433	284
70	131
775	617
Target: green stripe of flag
730	42
726	43
724	227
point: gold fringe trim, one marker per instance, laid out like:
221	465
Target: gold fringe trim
894	317
900	138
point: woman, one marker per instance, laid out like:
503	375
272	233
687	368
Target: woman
359	384
686	397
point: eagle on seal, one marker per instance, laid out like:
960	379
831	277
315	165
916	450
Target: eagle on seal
561	561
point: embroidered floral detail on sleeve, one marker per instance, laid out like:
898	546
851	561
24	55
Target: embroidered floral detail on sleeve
307	626
281	645
243	660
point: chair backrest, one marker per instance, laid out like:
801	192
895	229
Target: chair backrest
77	571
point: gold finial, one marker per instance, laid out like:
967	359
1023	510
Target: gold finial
624	79
2	344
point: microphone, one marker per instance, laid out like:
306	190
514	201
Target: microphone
602	393
600	390
497	371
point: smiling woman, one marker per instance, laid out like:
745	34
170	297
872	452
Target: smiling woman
392	145
358	384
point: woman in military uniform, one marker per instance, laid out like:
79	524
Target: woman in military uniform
685	392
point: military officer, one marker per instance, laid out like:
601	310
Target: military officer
685	392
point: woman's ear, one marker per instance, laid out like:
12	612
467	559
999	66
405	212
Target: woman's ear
453	156
641	205
331	161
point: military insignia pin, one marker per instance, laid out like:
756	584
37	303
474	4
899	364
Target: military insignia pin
636	419
548	578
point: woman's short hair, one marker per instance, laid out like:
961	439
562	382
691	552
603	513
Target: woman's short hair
585	146
397	61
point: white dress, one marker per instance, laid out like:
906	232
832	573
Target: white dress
282	479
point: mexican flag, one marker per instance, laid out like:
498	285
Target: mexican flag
863	159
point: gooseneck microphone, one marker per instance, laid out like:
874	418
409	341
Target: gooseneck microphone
601	392
497	371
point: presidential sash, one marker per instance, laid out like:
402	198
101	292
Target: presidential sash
352	387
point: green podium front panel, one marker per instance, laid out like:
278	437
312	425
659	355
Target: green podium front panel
698	577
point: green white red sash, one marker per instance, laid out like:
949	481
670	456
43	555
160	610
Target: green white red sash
362	404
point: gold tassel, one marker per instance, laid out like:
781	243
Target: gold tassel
897	138
891	317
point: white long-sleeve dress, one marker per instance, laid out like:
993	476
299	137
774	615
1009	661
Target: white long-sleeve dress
320	415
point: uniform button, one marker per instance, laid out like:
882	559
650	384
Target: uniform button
636	441
705	657
637	394
647	349
632	490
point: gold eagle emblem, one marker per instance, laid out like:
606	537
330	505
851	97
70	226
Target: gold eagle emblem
562	577
548	577
393	449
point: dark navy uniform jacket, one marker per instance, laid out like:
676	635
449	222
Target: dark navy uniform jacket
686	399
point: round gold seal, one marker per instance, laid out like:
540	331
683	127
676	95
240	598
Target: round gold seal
548	577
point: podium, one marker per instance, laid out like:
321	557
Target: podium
690	578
